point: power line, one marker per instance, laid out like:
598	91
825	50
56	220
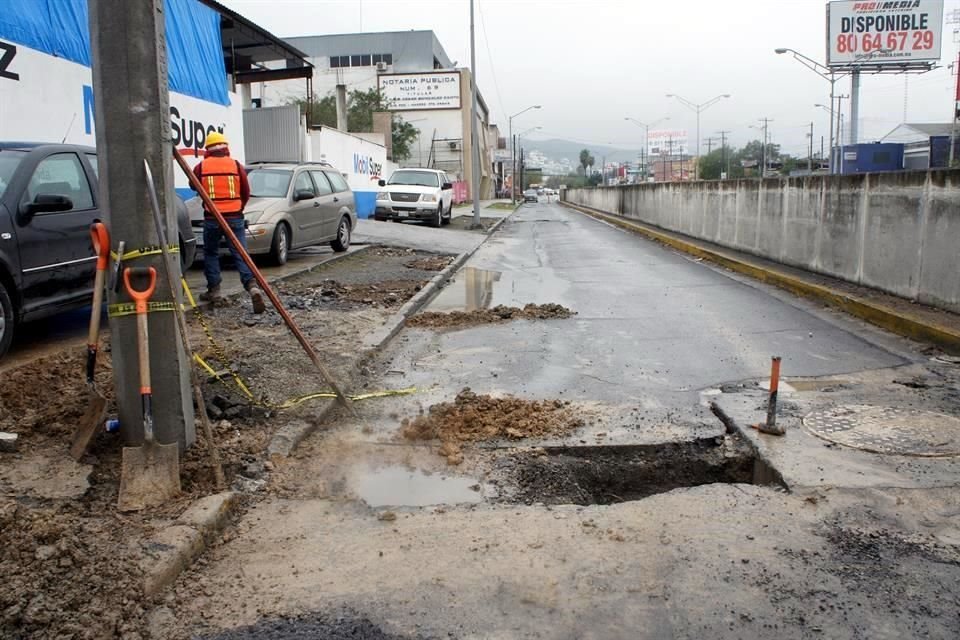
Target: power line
493	73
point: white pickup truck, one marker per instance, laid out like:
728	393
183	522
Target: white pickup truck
416	194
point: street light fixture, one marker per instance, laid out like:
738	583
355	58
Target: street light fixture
698	108
646	138
513	151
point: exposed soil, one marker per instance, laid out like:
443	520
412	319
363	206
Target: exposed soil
499	313
433	263
69	565
474	418
463	223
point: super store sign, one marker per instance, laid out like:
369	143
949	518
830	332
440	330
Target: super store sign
52	100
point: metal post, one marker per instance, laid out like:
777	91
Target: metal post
810	151
474	136
854	125
513	162
129	52
831	165
696	165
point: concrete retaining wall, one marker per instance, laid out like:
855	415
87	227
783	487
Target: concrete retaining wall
897	232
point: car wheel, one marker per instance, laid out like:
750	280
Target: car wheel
449	215
6	320
280	247
342	241
437	220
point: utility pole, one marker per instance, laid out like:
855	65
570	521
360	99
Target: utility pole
474	136
698	109
763	154
723	153
810	152
132	110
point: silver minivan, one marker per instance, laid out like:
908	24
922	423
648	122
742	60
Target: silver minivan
292	206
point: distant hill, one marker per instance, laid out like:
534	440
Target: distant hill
555	149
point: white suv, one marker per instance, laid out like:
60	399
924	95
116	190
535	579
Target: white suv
416	194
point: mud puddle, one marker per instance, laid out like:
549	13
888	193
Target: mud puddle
611	474
401	486
473	289
499	313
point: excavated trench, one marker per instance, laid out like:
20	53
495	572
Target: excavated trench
613	474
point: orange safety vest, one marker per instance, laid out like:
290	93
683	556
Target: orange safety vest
221	180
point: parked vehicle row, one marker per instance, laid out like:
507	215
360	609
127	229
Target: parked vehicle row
48	200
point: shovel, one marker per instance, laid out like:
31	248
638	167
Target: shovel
150	474
97	404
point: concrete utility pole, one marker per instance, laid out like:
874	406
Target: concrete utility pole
513	151
763	151
474	136
723	153
132	124
810	151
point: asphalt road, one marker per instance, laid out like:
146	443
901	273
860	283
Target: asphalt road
653	327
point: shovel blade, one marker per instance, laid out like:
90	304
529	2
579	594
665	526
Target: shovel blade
149	476
91	420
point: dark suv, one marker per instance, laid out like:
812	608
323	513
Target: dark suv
48	200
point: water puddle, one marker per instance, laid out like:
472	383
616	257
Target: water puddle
399	486
472	289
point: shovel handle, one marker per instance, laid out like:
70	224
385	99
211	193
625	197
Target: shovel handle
100	238
140	297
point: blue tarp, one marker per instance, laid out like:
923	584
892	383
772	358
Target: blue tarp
61	28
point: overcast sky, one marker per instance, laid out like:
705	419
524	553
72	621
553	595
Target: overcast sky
591	63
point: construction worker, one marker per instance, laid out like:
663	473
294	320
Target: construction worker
225	181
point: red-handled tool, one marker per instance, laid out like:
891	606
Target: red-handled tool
149	474
97	404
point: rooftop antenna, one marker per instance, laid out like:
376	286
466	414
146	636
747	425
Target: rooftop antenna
69	126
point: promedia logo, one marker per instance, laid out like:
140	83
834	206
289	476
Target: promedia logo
890	5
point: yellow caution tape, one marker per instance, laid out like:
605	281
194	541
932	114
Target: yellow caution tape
151	250
121	309
221	355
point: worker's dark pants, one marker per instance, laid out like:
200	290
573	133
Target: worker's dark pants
211	251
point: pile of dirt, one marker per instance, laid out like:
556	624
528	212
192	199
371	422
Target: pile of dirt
499	313
66	575
431	263
474	418
333	294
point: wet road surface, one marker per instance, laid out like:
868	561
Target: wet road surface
653	327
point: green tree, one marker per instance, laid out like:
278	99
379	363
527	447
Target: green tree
586	160
361	105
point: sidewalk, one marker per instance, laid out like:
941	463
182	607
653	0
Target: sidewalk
897	315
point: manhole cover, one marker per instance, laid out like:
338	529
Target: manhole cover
907	432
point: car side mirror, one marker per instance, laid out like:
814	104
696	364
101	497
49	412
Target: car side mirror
303	194
43	203
382	182
447	186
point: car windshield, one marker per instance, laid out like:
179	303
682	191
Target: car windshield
8	165
415	178
269	183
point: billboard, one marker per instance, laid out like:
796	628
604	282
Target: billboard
668	142
416	91
884	32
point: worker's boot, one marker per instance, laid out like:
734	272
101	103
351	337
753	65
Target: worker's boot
212	295
256	297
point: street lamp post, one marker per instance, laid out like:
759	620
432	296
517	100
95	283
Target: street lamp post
646	138
698	108
513	152
519	136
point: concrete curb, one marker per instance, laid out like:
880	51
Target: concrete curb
285	441
892	320
172	550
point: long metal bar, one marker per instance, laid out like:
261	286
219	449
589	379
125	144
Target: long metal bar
264	285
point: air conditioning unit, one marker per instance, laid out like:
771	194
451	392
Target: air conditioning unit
453	145
381	66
